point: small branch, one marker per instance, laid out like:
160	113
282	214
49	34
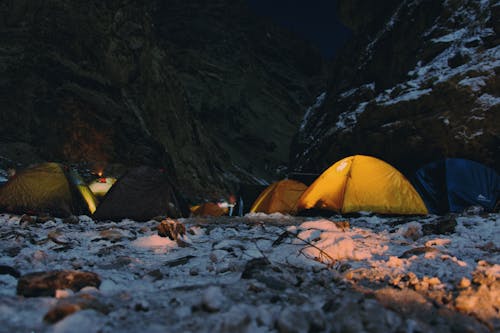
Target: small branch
322	253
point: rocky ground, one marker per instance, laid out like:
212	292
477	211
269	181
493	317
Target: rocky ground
258	273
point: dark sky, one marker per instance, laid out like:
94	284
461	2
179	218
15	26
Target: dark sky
314	20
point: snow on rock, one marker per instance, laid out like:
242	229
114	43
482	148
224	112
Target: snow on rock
347	119
439	70
317	104
213	299
488	100
258	273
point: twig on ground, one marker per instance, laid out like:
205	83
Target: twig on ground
322	253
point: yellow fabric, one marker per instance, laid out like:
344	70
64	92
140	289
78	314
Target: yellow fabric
37	189
327	192
194	208
279	197
363	183
85	192
88	197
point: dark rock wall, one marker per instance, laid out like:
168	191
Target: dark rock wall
202	88
246	80
418	82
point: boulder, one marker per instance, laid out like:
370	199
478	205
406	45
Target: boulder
46	283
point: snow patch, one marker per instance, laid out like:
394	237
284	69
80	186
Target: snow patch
475	83
349	93
487	100
408	95
319	102
455	35
347	120
154	242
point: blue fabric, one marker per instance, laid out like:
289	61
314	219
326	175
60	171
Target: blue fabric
471	184
454	184
431	185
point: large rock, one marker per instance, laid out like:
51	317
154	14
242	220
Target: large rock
46	283
421	85
202	88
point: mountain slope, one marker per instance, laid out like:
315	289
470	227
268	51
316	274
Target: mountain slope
423	85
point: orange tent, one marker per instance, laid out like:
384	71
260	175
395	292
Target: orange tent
279	197
208	209
362	183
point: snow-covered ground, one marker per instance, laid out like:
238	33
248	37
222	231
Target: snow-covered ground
258	273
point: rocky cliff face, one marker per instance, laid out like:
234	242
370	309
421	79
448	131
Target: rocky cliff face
418	82
204	89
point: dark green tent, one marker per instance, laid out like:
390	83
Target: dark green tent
45	188
141	194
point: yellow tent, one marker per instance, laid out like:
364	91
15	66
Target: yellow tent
47	188
362	183
279	197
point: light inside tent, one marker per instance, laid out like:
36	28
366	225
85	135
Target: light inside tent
101	186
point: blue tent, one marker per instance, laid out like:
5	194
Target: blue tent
453	184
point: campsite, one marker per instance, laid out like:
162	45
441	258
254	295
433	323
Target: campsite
253	166
394	269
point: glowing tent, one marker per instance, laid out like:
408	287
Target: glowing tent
453	184
46	188
362	183
279	197
141	194
101	186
